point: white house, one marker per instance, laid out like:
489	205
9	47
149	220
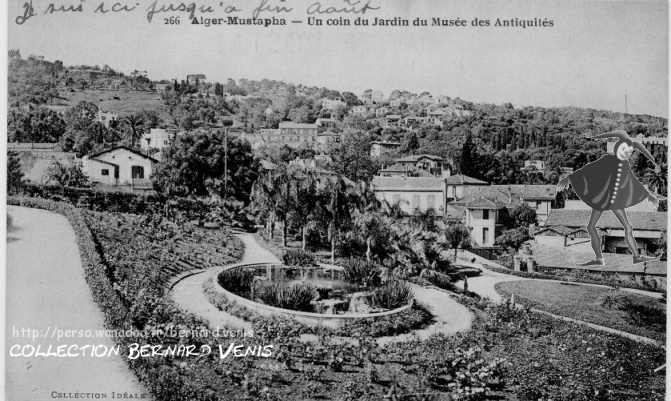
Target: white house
412	194
119	166
157	139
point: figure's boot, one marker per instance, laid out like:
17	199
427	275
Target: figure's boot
598	262
642	259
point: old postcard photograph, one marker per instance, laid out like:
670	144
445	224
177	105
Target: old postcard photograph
293	200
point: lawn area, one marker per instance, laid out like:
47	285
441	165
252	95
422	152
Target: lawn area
633	313
128	102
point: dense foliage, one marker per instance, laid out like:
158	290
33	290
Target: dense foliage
299	257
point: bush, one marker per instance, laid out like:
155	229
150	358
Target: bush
236	280
392	295
295	297
362	272
299	257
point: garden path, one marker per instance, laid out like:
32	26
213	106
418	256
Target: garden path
46	289
484	284
451	316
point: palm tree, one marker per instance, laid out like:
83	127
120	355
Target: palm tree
264	201
135	128
305	201
336	208
457	235
657	179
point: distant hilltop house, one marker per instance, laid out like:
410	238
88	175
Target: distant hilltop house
161	87
157	139
538	165
359	111
418	165
195	79
107	118
652	143
294	135
325	123
37	158
372	97
292	128
391	121
119	166
332	104
381	148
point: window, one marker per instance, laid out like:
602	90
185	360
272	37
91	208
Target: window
485	234
104	172
485	214
137	172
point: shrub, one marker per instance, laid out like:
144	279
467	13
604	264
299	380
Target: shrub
299	257
295	297
644	314
362	272
236	280
392	295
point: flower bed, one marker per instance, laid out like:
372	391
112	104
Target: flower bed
289	301
402	321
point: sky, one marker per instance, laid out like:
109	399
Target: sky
595	53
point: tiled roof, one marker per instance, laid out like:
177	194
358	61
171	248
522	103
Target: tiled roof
460	179
507	195
92	156
22	146
291	124
386	143
654	221
484	203
395	168
455	212
414	158
407	183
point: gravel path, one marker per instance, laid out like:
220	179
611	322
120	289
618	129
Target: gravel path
451	316
46	288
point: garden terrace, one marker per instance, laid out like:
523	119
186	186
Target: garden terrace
542	358
169	248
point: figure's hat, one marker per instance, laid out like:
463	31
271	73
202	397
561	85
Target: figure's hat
624	137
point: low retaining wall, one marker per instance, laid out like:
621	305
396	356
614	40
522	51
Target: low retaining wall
637	279
308	318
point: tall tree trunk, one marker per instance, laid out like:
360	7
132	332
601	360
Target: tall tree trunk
305	237
284	232
333	245
368	249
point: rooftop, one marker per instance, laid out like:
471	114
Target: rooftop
430	184
652	221
460	179
415	158
505	195
291	124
